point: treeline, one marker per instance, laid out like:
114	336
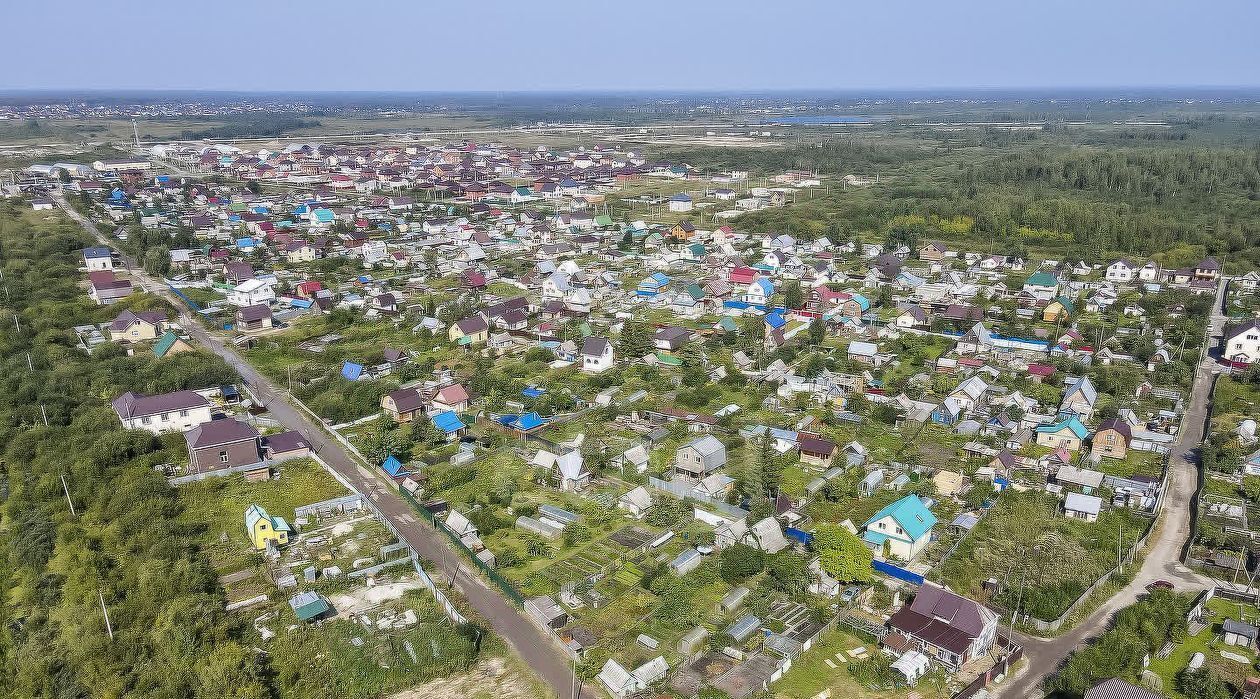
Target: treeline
121	547
252	126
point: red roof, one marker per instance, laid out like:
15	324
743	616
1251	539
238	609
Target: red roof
1040	369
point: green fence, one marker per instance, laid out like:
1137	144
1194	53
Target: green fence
502	583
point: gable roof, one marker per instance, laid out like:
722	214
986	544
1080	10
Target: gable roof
910	513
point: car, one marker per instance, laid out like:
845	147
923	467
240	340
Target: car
850	593
1159	585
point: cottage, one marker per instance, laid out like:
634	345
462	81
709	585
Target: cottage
700	457
256	317
946	626
451	398
251	292
264	530
1112	439
1242	343
816	450
167	412
636	502
597	355
98	258
136	327
1067	434
901	529
1078	506
403	405
470	331
220	444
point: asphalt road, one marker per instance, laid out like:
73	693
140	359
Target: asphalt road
1163	550
538	651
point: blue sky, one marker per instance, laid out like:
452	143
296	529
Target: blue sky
451	45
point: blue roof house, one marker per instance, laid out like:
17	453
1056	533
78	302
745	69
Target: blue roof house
394	467
351	371
759	292
775	321
450	424
652	285
1069	433
902	529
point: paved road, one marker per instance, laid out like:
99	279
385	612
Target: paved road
504	617
1163	550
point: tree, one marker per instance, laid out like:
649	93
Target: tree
739	562
635	340
1202	684
817	331
792	296
842	554
789	572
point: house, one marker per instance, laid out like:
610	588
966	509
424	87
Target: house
470	331
1112	439
256	317
901	529
251	293
1068	433
264	530
170	344
219	444
1121	271
1242	343
1208	270
1078	506
1058	310
767	535
700	457
449	424
759	292
106	289
946	626
1079	399
670	339
680	202
135	327
452	398
403	405
597	355
948	413
167	412
97	259
568	469
816	450
544	611
637	502
933	252
1041	287
864	352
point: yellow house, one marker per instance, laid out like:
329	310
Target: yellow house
470	331
1059	309
263	528
136	327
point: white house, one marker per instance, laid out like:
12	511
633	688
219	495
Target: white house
169	412
597	355
901	529
1084	507
759	292
1121	271
680	203
1149	272
1242	342
251	293
97	259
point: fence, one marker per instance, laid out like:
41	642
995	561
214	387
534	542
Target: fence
499	581
184	297
1000	668
683	492
440	596
341	504
897	572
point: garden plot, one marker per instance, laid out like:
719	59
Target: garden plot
593	560
633	536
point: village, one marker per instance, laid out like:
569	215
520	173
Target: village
694	457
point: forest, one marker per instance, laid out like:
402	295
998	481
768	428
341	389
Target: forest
1175	193
120	548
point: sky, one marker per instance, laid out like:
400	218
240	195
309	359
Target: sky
631	45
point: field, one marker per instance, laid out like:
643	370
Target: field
1025	541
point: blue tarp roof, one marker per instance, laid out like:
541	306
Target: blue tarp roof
351	371
394	467
533	392
448	422
775	321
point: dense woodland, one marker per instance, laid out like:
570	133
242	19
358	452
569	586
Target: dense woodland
1173	193
171	637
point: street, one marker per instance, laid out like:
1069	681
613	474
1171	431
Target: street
537	650
1163	550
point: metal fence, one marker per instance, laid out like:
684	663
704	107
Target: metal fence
499	581
684	491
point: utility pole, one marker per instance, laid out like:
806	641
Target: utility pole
108	627
67	489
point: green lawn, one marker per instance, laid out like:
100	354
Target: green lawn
810	673
217	506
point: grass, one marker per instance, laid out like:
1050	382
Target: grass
217	506
810	673
1205	642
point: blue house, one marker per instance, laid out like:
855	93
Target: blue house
652	285
947	413
775	321
450	424
523	424
901	529
322	216
394	467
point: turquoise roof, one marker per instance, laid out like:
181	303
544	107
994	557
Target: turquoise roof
1042	279
1072	423
909	513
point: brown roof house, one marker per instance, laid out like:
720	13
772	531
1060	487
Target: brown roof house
403	405
1112	439
130	326
816	451
255	317
220	444
946	626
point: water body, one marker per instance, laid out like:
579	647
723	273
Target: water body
820	119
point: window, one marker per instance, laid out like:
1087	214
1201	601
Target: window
223	457
145	420
166	417
183	413
1111	438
